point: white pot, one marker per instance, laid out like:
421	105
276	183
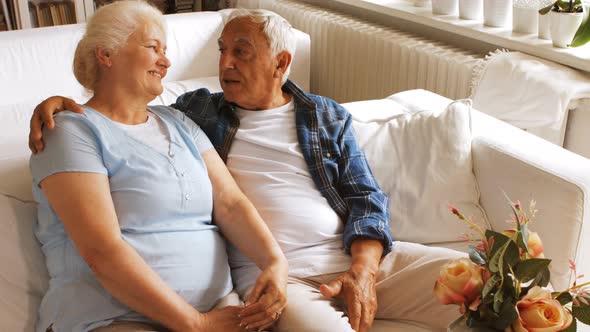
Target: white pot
545	26
422	3
445	7
564	27
497	13
471	9
525	20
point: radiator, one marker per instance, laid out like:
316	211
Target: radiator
353	59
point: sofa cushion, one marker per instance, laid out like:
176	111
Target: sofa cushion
14	152
422	160
23	278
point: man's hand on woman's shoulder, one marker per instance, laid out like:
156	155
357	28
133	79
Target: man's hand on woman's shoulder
43	116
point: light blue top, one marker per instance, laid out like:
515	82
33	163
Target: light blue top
163	203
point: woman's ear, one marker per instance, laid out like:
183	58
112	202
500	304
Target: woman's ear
283	62
104	56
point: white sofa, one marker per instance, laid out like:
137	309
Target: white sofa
464	159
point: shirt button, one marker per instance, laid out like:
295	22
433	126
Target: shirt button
187	197
328	155
171	154
182	174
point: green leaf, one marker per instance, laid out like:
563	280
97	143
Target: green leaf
523	238
572	328
564	298
489	286
563	5
509	290
497	262
498	251
508	315
475	256
530	268
582	313
546	10
513	210
499	240
543	278
498	300
512	256
582	36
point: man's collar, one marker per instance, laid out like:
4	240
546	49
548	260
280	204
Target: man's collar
298	94
300	97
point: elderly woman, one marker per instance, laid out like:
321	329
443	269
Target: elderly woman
126	197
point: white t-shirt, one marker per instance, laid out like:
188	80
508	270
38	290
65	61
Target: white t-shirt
268	165
151	133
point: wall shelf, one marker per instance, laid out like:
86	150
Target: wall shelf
474	29
28	16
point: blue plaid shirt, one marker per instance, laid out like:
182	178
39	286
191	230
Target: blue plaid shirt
326	137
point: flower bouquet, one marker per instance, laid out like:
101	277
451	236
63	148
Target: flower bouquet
503	284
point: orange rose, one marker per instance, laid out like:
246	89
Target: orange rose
534	243
539	312
460	282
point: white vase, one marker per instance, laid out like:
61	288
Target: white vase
445	7
544	26
422	3
525	20
497	13
564	27
471	9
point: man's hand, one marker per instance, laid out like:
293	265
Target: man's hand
357	286
43	115
267	299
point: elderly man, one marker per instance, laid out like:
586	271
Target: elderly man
295	156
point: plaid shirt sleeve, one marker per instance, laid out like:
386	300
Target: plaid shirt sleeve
368	216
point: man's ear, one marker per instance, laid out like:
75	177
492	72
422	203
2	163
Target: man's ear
283	62
104	56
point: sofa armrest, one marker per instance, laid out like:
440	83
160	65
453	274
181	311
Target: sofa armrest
527	167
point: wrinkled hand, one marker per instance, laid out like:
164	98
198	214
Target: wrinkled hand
222	319
43	115
267	299
357	287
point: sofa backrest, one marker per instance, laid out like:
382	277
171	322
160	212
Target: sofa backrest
37	63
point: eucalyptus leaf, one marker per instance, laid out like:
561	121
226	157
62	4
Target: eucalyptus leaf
475	256
529	269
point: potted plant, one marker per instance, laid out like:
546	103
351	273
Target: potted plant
566	19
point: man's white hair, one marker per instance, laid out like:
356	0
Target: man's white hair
276	29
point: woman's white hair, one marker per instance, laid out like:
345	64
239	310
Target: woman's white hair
276	29
110	28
